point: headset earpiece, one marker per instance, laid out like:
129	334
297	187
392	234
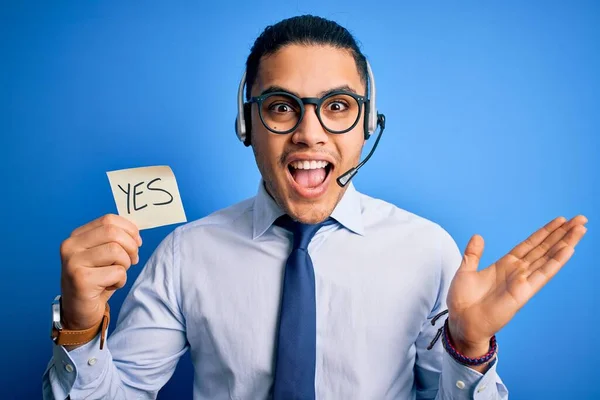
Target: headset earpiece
241	123
367	120
371	108
248	123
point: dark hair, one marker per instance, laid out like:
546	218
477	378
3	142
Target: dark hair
305	30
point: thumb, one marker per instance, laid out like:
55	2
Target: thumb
472	255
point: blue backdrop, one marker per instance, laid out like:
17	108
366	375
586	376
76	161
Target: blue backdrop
492	128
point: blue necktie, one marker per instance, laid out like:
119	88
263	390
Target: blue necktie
296	340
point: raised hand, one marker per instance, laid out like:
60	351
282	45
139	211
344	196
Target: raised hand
95	260
481	302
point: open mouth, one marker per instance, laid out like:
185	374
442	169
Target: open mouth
310	177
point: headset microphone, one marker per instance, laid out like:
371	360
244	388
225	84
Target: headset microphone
343	179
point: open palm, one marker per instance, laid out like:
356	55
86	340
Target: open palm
481	302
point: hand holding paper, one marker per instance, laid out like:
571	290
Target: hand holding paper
96	256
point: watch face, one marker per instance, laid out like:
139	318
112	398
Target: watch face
56	313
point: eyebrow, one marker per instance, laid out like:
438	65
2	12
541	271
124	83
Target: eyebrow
275	88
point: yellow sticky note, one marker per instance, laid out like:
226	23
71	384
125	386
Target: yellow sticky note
147	196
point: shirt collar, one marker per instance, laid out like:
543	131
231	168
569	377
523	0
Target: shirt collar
348	211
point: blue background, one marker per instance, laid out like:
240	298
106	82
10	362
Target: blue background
492	128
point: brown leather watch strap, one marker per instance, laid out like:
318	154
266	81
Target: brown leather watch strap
71	337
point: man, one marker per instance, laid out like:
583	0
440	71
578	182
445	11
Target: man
308	290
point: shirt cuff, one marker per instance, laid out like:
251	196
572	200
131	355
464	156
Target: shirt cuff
81	366
461	382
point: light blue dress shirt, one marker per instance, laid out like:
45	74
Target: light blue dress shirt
213	287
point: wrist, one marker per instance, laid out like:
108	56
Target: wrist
471	350
466	347
73	324
476	358
69	334
70	320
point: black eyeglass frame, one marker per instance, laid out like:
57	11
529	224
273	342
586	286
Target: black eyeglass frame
302	101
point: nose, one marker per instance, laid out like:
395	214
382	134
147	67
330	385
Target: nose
310	132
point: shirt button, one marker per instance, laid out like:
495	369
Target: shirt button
92	361
69	368
460	384
481	388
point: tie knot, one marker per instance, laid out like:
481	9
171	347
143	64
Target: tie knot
303	233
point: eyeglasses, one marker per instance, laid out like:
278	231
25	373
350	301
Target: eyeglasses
282	112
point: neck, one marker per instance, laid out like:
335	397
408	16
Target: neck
295	217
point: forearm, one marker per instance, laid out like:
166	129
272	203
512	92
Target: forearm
140	355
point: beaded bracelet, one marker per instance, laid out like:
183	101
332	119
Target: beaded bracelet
460	358
464	359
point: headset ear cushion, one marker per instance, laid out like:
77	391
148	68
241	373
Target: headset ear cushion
248	122
366	124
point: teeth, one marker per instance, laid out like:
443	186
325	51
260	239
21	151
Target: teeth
309	164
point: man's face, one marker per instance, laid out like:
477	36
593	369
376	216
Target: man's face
307	194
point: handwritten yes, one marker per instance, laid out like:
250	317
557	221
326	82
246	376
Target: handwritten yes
132	194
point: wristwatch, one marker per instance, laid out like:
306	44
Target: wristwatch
67	337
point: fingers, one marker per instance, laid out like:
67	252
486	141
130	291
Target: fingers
95	259
111	277
571	238
557	236
96	280
538	237
98	236
538	278
473	253
111	220
97	285
104	254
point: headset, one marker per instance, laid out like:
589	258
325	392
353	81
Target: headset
243	124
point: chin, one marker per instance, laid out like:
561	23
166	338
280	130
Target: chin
311	214
311	210
305	188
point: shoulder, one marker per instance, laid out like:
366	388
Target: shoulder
236	218
377	211
386	218
225	216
